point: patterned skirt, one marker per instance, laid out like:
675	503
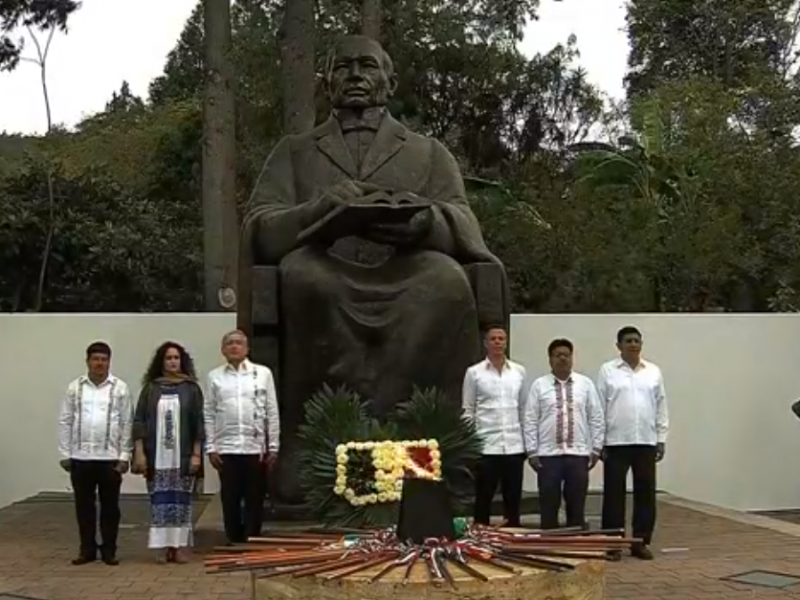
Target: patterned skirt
170	509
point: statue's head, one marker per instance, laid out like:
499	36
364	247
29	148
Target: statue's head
359	74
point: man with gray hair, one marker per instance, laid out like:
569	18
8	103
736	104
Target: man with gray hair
242	435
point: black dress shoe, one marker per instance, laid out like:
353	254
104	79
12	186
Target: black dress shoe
641	552
83	560
110	560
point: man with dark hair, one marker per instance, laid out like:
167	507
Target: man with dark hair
637	422
94	440
493	398
564	430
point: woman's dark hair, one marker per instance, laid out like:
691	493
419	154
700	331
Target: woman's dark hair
156	368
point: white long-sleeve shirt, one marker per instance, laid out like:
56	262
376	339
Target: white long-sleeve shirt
635	403
563	417
96	420
241	410
494	400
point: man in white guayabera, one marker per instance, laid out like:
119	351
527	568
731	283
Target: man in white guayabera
493	398
94	440
565	428
242	435
635	404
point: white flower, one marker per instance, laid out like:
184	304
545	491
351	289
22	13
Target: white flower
341	449
351	445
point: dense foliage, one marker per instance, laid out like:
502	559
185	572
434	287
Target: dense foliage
683	197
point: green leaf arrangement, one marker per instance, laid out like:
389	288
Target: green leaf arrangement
337	416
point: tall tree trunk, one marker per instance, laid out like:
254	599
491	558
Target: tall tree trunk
296	40
41	62
220	222
371	18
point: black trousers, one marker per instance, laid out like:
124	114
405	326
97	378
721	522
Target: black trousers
566	476
505	470
242	480
618	461
90	479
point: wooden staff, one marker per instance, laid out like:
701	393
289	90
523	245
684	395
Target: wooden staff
468	569
440	560
308	571
489	559
290	541
586	555
536	562
261	562
364	565
411	563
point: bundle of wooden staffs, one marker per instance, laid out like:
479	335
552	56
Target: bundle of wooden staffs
332	555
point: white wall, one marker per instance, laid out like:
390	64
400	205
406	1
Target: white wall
730	381
41	354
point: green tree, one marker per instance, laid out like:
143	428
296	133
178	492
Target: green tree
30	14
111	251
733	42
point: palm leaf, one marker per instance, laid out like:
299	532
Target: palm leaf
336	417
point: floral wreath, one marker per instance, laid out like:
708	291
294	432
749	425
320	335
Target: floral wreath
373	472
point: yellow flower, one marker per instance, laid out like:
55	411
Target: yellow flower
433	444
351	445
341	459
371	499
436	464
435	455
383	497
349	493
338	490
341	469
341	449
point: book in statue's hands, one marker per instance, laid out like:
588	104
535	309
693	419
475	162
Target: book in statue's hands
378	207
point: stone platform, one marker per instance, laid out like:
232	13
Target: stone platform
585	582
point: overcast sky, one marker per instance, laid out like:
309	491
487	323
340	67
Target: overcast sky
114	40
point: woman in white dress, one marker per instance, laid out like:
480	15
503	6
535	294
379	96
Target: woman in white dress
168	433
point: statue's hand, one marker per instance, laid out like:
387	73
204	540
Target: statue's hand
401	234
347	193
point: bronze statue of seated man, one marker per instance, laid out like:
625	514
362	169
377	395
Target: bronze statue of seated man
370	226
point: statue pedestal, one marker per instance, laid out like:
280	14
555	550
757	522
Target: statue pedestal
586	582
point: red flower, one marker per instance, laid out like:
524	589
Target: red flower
421	457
